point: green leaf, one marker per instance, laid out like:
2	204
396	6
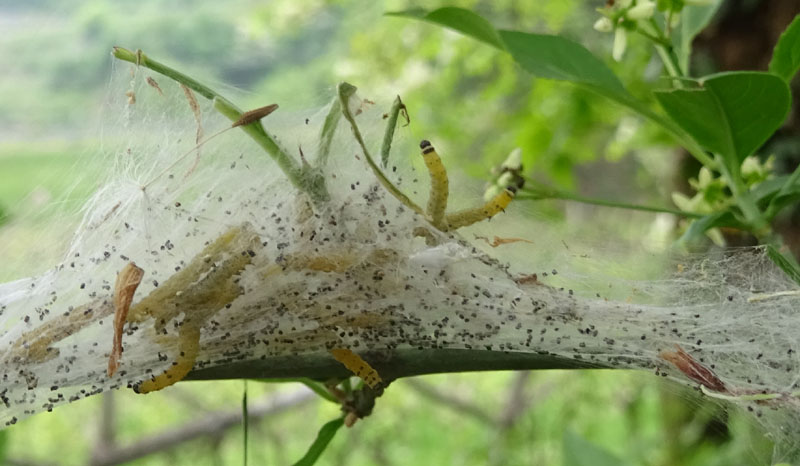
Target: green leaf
694	18
731	114
579	452
719	219
786	56
3	444
324	437
789	266
313	385
545	56
555	57
764	192
789	192
459	19
328	131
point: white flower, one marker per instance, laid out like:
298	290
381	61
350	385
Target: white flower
683	202
514	160
622	4
704	178
643	10
751	166
620	42
603	25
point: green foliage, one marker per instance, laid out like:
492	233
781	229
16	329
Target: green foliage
324	437
786	56
554	57
3	444
787	263
458	19
474	90
3	214
313	385
731	114
694	18
579	452
700	226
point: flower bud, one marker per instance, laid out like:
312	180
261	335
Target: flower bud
642	10
603	25
620	42
751	166
704	178
514	160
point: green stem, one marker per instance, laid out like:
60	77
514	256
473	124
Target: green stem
758	224
328	131
534	194
774	207
224	106
313	385
753	215
390	364
677	132
653	38
388	135
670	64
664	48
345	91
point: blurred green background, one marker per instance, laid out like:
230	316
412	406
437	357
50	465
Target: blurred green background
476	104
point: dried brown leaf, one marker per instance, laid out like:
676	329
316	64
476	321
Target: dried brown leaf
251	116
693	369
498	241
152	82
128	280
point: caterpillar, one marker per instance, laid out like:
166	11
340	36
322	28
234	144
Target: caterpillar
355	364
467	217
188	347
440	185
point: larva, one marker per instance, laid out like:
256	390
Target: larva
188	347
357	366
440	186
467	217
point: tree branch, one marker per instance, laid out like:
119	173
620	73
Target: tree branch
390	365
445	399
210	425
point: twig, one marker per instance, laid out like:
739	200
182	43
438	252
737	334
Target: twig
516	404
105	440
211	425
392	365
224	106
517	401
460	406
345	91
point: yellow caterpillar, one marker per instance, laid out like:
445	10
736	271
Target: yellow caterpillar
204	286
188	347
467	217
357	366
440	185
437	198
